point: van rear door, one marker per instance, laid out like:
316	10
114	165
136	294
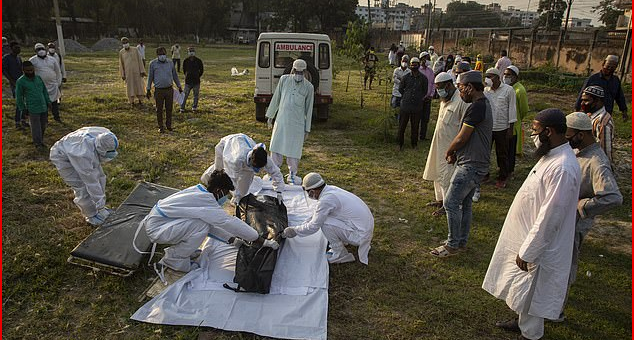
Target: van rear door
264	78
285	52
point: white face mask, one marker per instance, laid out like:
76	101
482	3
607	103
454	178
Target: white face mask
126	46
442	93
162	58
536	140
507	80
488	82
191	54
51	50
404	65
298	77
41	53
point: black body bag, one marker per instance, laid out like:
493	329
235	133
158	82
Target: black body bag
255	265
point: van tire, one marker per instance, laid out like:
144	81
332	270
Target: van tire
322	112
260	112
314	73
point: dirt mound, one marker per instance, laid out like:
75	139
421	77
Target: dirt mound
107	44
72	46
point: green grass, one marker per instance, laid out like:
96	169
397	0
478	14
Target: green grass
402	294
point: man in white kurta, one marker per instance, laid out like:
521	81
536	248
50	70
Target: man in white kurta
132	71
531	262
292	109
450	114
48	69
342	216
239	157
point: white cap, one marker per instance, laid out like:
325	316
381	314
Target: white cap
443	77
414	60
424	53
312	180
299	65
39	45
579	121
514	69
431	48
494	71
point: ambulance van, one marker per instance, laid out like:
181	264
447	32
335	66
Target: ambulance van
275	55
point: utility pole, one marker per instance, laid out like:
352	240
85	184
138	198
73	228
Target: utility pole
369	15
428	24
562	37
60	34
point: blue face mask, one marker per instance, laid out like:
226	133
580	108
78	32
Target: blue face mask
111	154
222	200
162	58
442	93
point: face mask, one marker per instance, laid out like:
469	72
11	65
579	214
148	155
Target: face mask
191	54
442	93
126	46
41	53
298	77
111	154
538	143
575	144
222	200
488	82
427	63
162	58
414	68
51	50
404	65
507	80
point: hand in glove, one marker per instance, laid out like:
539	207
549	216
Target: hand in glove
237	242
271	244
269	123
289	233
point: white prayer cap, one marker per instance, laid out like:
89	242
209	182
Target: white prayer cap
494	71
579	121
514	69
443	77
312	180
299	65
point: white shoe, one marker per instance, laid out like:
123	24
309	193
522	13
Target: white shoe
476	195
341	259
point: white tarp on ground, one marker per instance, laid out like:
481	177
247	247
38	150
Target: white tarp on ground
296	308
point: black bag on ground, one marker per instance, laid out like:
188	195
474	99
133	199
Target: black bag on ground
255	265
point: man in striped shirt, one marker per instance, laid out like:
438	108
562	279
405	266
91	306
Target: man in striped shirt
602	123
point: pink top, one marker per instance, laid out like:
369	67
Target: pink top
429	73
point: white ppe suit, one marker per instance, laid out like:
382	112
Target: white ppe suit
77	157
539	227
231	155
292	109
344	219
185	218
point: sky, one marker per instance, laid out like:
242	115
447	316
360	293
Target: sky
580	8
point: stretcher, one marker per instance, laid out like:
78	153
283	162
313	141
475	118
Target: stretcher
109	248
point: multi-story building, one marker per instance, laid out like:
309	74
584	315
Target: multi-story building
576	22
397	18
525	18
623	23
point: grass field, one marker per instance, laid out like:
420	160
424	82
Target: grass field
403	294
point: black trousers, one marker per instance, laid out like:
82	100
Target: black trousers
424	119
404	118
501	141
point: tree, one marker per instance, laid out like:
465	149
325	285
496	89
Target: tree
551	13
477	16
608	13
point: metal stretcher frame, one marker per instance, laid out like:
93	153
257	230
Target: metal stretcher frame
109	248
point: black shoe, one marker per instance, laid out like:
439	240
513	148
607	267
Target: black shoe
18	126
58	119
25	124
509	325
161	130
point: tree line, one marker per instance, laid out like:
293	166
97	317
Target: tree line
205	18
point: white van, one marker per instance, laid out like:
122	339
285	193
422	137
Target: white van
274	57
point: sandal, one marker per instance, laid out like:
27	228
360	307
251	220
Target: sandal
437	204
443	251
440	212
509	325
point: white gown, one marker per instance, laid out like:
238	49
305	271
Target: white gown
48	69
292	109
540	227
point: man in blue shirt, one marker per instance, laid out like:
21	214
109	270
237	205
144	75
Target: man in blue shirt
12	70
162	73
611	85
